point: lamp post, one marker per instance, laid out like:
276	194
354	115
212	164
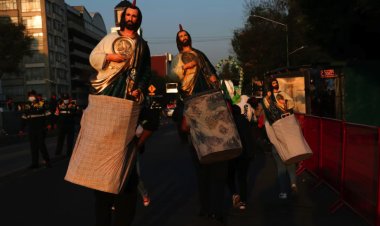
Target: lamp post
296	50
286	30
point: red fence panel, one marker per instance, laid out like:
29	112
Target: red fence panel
311	132
347	158
330	159
361	170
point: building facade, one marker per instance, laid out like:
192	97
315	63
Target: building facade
85	30
63	37
47	69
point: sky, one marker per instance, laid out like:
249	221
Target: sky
211	23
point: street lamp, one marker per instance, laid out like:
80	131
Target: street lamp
286	29
296	50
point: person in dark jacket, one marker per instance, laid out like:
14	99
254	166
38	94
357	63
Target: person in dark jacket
66	112
34	118
238	167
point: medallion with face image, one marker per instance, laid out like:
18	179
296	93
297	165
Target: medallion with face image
124	46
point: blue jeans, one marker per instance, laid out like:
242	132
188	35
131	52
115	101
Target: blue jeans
284	172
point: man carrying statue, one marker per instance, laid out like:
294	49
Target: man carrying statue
105	151
205	117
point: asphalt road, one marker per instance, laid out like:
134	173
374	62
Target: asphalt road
42	198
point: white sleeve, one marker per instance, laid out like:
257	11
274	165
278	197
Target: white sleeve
98	55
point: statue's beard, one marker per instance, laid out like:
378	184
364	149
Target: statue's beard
185	43
132	26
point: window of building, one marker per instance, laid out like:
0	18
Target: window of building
58	25
48	7
61	74
51	41
32	22
35	73
7	19
37	42
57	9
8	4
30	5
35	57
52	56
14	91
14	19
49	24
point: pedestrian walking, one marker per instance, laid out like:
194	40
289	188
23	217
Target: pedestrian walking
238	167
289	145
149	122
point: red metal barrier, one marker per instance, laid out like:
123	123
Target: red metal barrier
311	131
361	170
346	158
330	159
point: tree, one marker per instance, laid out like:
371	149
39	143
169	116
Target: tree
346	29
14	45
261	44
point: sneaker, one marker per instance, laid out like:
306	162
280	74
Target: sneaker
242	205
146	200
235	200
283	195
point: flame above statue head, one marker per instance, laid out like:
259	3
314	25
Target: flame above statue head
134	3
180	27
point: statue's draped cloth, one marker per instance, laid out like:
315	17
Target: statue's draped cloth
104	153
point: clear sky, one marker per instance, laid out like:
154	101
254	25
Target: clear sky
210	22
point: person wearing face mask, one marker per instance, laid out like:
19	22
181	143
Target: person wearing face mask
66	112
34	117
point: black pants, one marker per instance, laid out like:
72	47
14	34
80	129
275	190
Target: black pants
37	136
237	176
65	131
117	210
212	180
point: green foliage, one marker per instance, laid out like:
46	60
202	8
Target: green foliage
14	44
327	31
229	72
346	29
261	45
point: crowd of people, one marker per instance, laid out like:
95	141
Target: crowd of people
39	116
106	156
